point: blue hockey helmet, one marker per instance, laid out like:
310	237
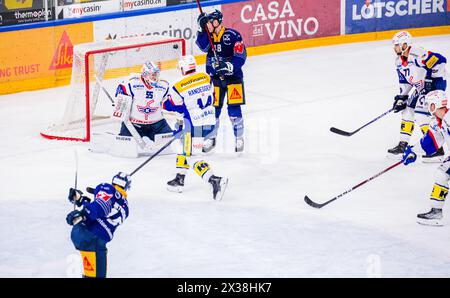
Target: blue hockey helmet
104	191
216	15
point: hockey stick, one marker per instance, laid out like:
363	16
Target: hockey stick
347	134
105	91
318	206
213	48
156	153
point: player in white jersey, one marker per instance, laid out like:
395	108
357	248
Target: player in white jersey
139	107
193	96
436	136
424	71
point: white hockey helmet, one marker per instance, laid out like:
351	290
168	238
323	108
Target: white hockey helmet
150	73
187	64
401	38
435	100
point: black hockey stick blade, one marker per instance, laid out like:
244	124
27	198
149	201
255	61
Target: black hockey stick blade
341	132
313	204
90	190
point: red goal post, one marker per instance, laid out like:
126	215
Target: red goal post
96	69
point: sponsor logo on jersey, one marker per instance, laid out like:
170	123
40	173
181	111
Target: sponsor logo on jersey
226	39
379	9
235	94
63	56
103	195
239	47
147	109
431	61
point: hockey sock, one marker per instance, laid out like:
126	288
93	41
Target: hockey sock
235	114
203	169
440	189
422	119
407	125
182	164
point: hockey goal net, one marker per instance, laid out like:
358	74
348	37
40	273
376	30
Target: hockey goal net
97	69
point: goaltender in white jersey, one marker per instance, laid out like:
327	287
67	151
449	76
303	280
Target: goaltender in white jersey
139	106
193	97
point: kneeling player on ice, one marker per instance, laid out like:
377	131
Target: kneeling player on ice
192	96
139	106
436	136
425	71
96	221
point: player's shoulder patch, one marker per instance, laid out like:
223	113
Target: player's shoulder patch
192	81
417	52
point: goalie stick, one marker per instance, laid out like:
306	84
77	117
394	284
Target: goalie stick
348	134
318	205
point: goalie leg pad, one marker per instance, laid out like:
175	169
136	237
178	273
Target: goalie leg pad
124	146
119	146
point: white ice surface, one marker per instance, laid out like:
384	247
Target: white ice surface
262	228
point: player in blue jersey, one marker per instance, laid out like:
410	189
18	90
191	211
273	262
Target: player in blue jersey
95	222
226	72
419	72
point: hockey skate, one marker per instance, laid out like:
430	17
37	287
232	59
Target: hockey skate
397	151
209	145
239	145
432	218
177	184
219	185
438	156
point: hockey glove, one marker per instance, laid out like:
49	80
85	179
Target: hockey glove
76	197
223	68
75	217
202	20
122	180
400	103
409	156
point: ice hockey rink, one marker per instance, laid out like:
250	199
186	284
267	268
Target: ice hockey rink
262	227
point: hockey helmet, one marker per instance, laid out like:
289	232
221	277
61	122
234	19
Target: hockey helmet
187	64
401	38
216	15
435	100
150	73
104	191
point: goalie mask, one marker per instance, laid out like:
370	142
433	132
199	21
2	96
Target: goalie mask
187	64
435	100
401	41
150	73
